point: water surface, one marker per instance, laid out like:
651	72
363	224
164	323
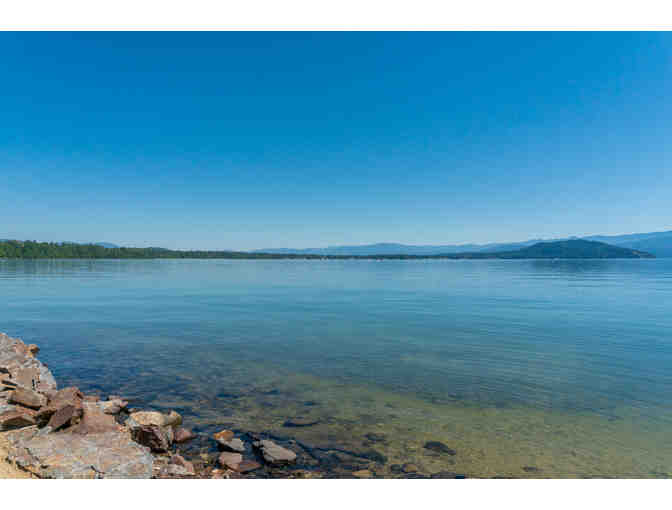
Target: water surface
559	367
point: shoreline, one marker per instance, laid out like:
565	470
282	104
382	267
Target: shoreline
51	432
47	432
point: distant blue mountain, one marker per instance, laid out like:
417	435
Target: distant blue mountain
657	243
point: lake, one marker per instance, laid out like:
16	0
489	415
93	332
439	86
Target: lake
543	368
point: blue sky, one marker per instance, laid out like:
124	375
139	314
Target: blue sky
236	140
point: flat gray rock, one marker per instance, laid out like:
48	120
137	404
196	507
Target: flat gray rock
65	455
232	445
273	453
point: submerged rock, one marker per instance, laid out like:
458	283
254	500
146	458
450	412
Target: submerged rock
230	460
234	445
439	447
248	465
375	437
273	453
183	435
301	422
410	468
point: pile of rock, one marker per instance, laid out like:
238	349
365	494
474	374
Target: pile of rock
232	458
65	434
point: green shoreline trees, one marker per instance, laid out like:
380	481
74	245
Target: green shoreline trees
575	248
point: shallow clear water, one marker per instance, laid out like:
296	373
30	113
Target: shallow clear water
561	366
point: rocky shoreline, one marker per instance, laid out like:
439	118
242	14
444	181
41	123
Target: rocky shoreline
47	432
61	433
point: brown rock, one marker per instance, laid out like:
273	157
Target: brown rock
26	377
230	460
183	435
44	415
33	349
94	421
180	461
152	436
173	419
91	398
223	435
17	418
70	395
362	473
67	402
147	418
150	429
65	416
247	465
113	406
27	398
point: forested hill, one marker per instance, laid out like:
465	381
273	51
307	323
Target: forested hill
571	249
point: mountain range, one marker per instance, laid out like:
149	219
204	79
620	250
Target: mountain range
656	243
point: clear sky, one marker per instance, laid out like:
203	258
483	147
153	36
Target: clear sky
254	140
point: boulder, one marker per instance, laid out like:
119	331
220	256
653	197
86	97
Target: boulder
233	445
273	453
94	421
70	395
147	418
27	398
173	419
113	406
33	349
230	460
105	455
152	429
183	435
223	435
65	416
26	377
152	436
17	418
362	473
67	403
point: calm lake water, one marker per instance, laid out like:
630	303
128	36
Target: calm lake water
551	368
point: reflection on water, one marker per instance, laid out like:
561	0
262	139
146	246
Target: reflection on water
559	367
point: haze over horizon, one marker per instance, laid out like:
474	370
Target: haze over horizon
235	140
